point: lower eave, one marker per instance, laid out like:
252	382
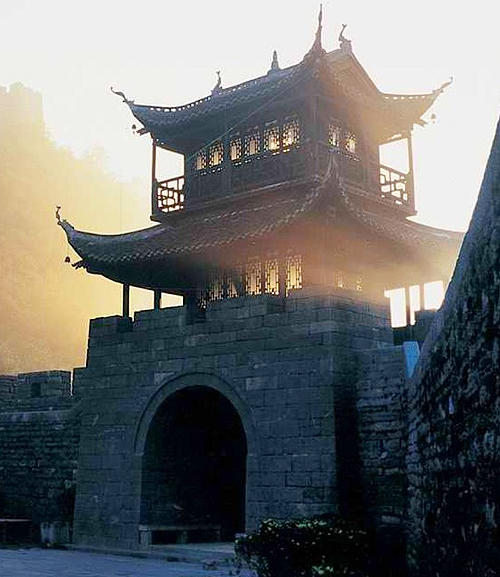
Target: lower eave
170	255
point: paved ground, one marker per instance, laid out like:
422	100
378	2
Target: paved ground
59	563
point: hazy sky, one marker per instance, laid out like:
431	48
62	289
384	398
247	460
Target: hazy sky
167	53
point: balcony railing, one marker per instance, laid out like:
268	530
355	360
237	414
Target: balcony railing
169	194
394	185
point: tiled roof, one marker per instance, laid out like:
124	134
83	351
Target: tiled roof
219	226
156	118
398	111
194	231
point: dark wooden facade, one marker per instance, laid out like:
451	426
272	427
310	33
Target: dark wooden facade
282	189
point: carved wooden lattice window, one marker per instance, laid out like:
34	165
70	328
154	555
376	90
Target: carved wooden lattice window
200	160
252	142
334	135
253	274
272	137
232	282
293	272
290	132
216	290
272	277
237	281
235	148
350	142
216	155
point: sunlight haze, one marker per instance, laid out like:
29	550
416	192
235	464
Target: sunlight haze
166	53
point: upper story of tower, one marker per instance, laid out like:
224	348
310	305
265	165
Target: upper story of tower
283	127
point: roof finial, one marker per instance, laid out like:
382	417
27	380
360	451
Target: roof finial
118	93
443	86
217	89
58	214
345	44
275	66
317	40
317	48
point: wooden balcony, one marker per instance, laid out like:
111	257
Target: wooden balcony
168	195
385	183
394	186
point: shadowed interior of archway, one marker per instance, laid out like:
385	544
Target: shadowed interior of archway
194	468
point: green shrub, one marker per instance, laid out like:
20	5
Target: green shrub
324	546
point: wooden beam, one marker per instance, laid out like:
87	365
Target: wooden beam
411	178
157	299
154	199
126	300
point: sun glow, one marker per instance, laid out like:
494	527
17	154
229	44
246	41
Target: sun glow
409	301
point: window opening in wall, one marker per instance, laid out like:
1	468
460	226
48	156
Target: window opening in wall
359	283
252	142
290	132
235	148
433	293
216	154
272	137
334	135
272	277
340	280
201	160
293	272
253	274
350	142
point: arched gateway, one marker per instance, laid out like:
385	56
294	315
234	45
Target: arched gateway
193	448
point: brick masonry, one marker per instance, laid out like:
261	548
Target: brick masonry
39	436
453	461
286	366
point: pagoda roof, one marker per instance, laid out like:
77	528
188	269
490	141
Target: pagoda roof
396	112
217	227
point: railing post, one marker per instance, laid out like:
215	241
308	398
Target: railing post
154	184
126	300
411	181
157	299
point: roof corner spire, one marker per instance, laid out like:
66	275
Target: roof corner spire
443	86
345	44
119	93
317	40
317	47
217	89
275	66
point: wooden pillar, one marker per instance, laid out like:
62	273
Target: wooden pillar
154	198
411	179
157	299
282	275
126	300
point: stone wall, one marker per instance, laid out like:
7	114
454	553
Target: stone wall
382	418
285	365
453	461
381	409
39	436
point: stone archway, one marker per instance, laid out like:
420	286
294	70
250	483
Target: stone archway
193	473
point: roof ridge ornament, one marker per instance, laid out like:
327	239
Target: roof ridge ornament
217	89
317	47
345	44
119	93
443	86
275	65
